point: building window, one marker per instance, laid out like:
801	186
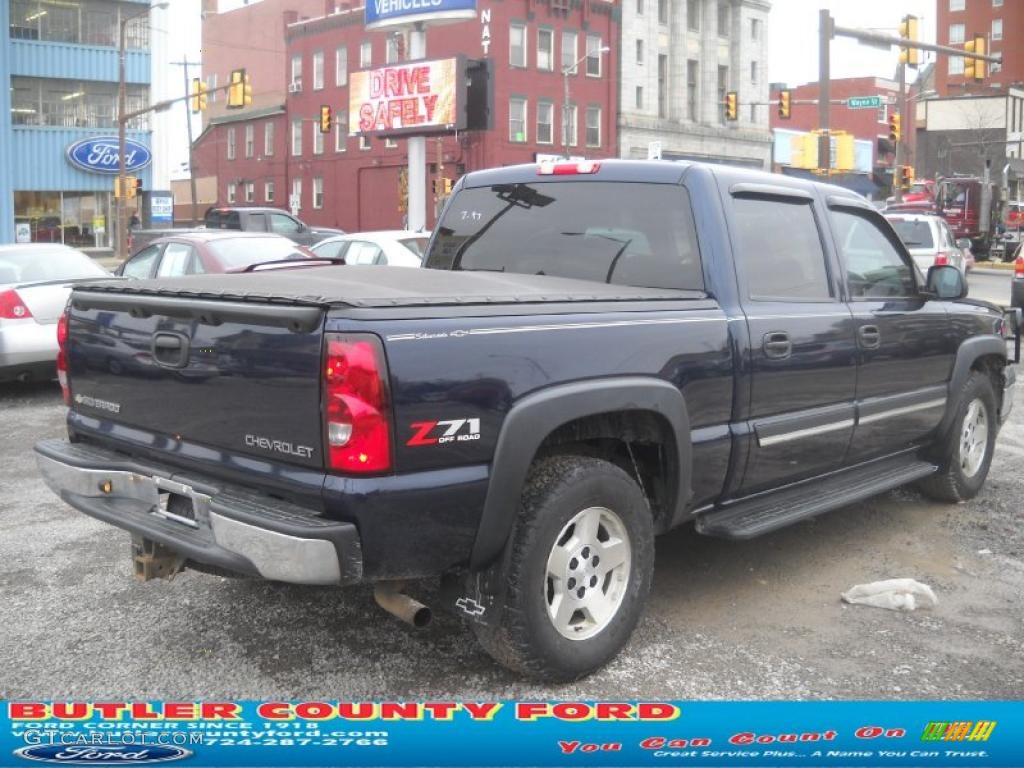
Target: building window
640	7
390	143
364	142
594	55
297	137
268	139
569	128
545	118
693	15
883	114
755	29
341	132
663	11
956	33
639	97
365	54
956	5
753	72
296	80
250	192
318	191
639	51
296	193
211	84
997	3
341	65
393	48
82	23
232	192
997	29
517	119
318	70
517	45
662	86
692	76
956	65
231	143
73	103
250	140
723	87
723	18
593	126
569	53
268	192
545	49
318	139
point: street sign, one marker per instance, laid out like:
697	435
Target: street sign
864	102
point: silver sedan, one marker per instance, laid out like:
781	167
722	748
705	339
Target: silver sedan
35	280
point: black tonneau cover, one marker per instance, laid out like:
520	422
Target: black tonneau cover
370	286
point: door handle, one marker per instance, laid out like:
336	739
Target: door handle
777	345
870	336
170	350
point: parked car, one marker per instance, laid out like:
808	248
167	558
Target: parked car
35	280
199	252
596	353
929	240
396	247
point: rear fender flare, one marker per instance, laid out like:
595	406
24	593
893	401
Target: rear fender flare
536	416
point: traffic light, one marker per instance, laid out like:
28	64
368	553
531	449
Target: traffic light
975	68
894	127
325	119
199	97
137	187
908	31
785	102
236	89
446	186
906	173
732	106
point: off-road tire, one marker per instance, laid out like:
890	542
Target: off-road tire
950	484
523	637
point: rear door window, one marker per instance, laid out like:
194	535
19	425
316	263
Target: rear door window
779	249
362	252
637	234
176	260
333	249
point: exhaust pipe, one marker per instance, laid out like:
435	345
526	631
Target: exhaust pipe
390	597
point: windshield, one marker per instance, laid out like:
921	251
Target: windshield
914	234
417	245
38	266
588	230
242	251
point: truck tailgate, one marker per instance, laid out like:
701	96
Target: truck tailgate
242	378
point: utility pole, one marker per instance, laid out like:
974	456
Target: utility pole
897	169
824	88
185	64
417	208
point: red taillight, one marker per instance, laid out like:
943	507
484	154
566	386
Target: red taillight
941	259
567	169
62	357
357	431
12	307
1018	268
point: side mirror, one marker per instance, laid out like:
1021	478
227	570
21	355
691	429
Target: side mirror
946	282
963	243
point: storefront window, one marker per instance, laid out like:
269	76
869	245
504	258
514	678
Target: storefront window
73	103
78	219
68	21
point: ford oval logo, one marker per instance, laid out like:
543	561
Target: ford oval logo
101	755
99	155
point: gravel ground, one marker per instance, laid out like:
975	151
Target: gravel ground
727	620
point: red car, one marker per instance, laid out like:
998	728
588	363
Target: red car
196	253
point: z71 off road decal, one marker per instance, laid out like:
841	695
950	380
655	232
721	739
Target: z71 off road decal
440	432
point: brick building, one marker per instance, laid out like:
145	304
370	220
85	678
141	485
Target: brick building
1001	22
355	183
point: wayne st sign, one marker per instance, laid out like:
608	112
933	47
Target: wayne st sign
98	154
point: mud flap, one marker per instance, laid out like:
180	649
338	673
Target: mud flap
477	597
151	560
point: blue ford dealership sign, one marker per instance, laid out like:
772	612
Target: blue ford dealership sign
385	13
99	155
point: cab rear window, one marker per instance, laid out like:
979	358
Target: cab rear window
636	234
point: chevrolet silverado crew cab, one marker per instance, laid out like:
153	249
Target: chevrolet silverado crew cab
597	353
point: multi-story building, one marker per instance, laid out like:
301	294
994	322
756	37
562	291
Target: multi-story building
679	59
267	154
1001	22
59	76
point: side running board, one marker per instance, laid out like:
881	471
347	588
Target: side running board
777	509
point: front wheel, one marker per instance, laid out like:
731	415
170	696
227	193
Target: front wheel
966	452
577	570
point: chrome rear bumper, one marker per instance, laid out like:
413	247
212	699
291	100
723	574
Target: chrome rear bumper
225	527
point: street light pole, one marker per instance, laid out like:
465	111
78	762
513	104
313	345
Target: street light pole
566	71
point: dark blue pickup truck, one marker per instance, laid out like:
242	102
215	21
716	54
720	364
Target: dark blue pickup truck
596	353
